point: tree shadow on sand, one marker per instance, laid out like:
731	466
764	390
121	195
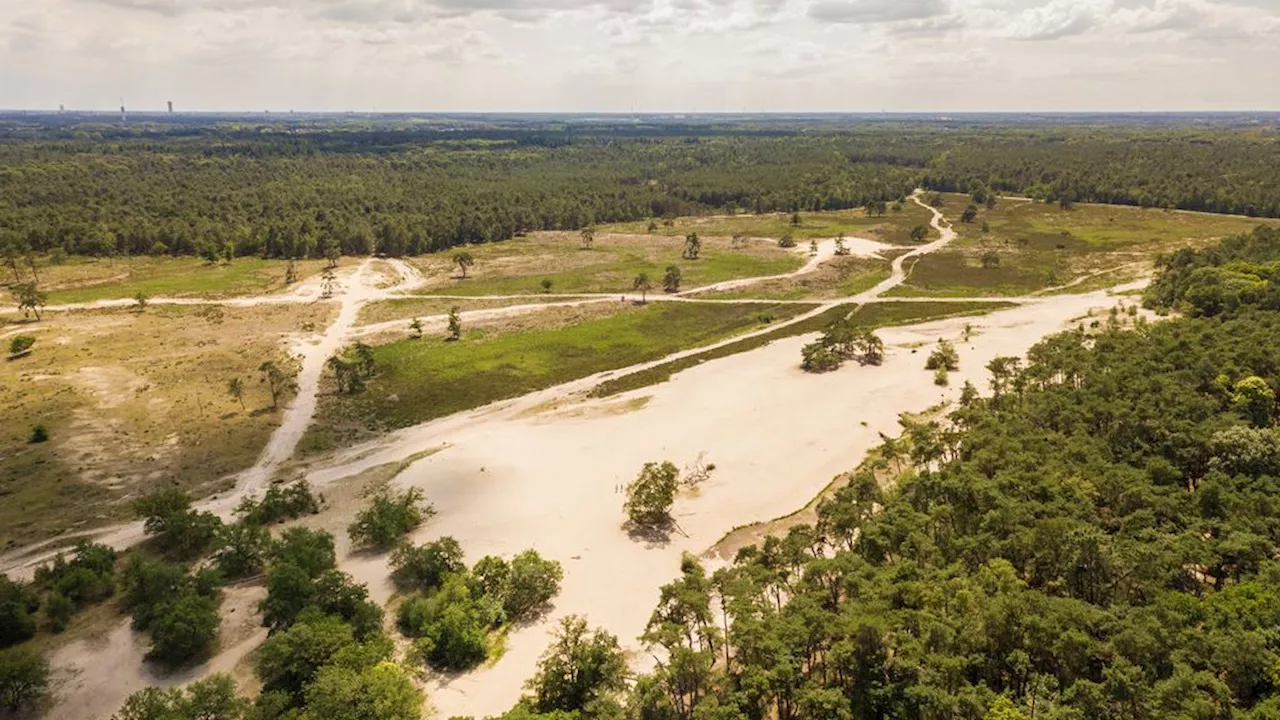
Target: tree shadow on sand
655	534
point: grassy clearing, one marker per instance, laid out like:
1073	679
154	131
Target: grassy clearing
1041	246
837	278
430	378
519	266
129	399
875	316
81	279
894	227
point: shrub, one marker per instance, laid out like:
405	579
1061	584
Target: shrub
425	567
817	357
389	518
944	357
58	609
21	345
651	495
531	583
213	698
184	630
280	502
17	603
310	550
787	241
24	677
242	550
450	625
289	660
39	434
178	529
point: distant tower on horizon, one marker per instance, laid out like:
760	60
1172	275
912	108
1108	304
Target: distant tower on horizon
61	109
170	107
123	117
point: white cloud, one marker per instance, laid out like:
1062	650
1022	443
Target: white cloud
642	54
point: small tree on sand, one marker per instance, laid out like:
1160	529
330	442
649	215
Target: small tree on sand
464	261
651	495
944	356
588	237
787	241
642	284
842	247
415	329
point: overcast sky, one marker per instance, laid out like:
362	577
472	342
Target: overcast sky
642	55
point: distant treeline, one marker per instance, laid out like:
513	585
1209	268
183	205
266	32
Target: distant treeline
297	191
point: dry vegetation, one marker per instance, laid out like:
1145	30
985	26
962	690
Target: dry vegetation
129	398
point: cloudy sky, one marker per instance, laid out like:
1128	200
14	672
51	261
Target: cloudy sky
642	55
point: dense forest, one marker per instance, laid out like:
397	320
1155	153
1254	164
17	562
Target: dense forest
213	186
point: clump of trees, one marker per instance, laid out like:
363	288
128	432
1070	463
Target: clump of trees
843	340
175	527
389	517
453	610
1238	274
353	368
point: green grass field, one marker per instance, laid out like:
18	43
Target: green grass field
876	315
85	280
518	266
1042	246
893	227
419	380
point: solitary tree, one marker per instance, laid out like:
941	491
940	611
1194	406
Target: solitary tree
919	233
651	495
546	285
990	260
332	252
588	237
415	329
813	247
692	246
235	388
642	284
141	299
455	324
970	214
281	379
739	241
653	226
842	248
30	299
463	260
795	219
671	280
290	272
787	241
